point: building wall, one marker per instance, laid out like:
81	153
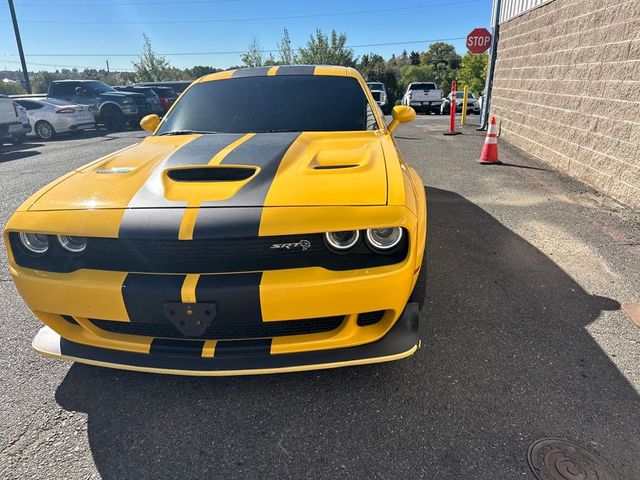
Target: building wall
567	90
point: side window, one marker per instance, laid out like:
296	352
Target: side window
30	105
63	89
372	124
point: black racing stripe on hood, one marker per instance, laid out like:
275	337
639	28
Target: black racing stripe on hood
151	223
151	195
296	70
264	150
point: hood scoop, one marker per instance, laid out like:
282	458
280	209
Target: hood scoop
206	184
211	174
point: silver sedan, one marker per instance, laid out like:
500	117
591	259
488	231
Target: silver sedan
50	116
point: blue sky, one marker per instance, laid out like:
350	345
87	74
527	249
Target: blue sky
74	28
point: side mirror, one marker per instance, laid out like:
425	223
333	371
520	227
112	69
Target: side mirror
401	114
150	122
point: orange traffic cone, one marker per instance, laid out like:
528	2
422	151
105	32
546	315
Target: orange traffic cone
489	154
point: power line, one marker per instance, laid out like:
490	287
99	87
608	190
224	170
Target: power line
251	19
177	54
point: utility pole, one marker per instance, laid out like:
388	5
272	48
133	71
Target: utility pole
25	72
486	105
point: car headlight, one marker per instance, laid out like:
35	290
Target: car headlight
342	241
37	243
72	244
384	238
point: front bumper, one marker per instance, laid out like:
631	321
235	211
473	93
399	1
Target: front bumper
240	358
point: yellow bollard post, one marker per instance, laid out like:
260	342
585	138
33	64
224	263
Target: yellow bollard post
465	100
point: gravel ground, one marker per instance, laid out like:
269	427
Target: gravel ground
523	338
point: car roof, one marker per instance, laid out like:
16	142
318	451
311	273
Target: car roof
277	70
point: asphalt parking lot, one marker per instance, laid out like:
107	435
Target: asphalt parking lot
523	337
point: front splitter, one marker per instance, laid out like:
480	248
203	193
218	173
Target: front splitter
400	342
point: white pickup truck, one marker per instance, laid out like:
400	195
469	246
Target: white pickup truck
14	124
423	97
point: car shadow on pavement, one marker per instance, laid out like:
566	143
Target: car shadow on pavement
505	360
17	155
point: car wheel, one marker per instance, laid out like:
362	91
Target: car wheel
44	130
113	119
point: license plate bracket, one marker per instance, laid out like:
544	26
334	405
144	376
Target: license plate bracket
191	319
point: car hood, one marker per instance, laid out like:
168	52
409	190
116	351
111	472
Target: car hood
230	170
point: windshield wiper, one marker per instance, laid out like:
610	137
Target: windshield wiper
186	132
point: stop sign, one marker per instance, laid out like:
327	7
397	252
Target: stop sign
479	40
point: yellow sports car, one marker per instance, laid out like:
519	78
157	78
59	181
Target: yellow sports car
269	224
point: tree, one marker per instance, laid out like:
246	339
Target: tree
286	55
443	58
441	53
473	72
253	56
41	80
416	73
374	69
11	88
150	66
414	58
322	50
200	71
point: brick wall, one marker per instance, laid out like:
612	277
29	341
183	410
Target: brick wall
567	90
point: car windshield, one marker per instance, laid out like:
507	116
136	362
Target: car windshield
99	87
376	86
288	103
460	95
423	86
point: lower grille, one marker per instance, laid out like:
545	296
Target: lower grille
370	318
226	332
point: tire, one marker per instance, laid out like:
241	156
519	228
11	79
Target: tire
113	119
44	130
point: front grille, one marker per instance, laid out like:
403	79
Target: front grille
376	96
370	318
251	254
226	332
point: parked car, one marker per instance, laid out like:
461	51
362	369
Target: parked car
423	97
178	86
14	123
167	96
155	105
51	116
235	239
473	105
109	106
379	93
